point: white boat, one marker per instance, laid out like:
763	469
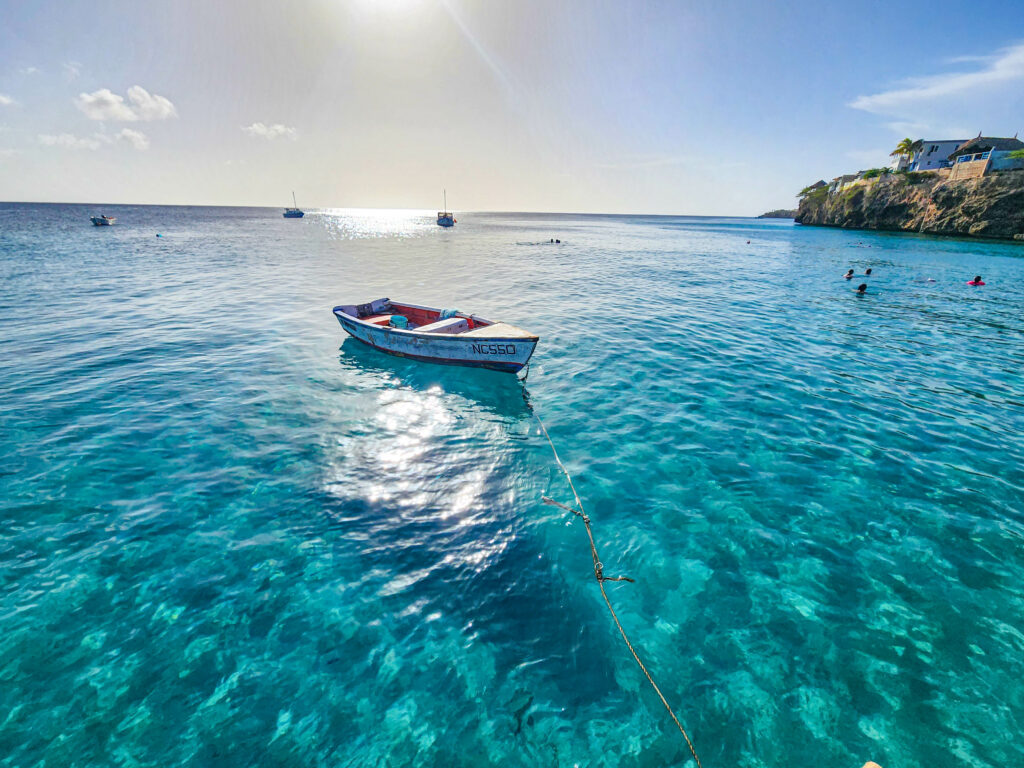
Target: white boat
437	336
295	212
102	221
445	218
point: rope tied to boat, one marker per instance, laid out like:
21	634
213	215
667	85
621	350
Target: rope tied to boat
579	512
598	565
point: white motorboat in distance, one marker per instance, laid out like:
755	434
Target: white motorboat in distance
103	221
438	336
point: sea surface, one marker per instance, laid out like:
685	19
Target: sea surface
231	536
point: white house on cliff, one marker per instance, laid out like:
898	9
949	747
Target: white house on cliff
934	153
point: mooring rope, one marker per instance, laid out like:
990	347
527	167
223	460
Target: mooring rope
599	572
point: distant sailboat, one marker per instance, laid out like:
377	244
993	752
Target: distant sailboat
293	213
445	218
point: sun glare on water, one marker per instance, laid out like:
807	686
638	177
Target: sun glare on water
359	223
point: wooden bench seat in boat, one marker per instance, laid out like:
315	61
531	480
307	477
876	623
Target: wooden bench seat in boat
448	325
500	331
378	319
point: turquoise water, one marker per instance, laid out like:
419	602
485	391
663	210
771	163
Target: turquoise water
232	537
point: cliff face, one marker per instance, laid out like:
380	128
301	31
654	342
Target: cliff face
991	206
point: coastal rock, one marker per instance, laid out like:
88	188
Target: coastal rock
990	206
780	213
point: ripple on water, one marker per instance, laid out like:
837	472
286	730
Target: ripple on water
232	537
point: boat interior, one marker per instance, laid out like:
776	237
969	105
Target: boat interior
385	313
422	319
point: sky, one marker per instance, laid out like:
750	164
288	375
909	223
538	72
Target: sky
703	107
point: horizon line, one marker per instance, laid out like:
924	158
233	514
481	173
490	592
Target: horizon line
360	208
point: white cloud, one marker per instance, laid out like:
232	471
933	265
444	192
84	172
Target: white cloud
69	141
1001	71
5	153
909	128
967	59
150	106
106	105
270	131
5	101
29	70
137	139
72	69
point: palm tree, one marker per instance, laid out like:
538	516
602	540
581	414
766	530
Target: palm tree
906	148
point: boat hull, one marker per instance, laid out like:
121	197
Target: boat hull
499	354
99	221
293	214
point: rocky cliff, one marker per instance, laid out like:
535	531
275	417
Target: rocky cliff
991	206
781	213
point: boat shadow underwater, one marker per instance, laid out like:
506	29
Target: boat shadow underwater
495	391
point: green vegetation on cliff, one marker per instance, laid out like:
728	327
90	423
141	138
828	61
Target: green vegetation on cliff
991	206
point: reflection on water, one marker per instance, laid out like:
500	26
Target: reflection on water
499	393
360	223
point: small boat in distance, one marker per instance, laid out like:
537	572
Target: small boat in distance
437	336
445	218
102	221
294	212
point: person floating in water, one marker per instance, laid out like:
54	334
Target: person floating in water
862	289
976	281
867	272
849	275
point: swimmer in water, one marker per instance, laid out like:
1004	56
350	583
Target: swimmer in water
976	281
867	272
849	275
862	289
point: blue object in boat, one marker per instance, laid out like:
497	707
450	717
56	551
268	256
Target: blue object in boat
399	321
447	313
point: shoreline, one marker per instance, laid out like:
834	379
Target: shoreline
1014	240
985	208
